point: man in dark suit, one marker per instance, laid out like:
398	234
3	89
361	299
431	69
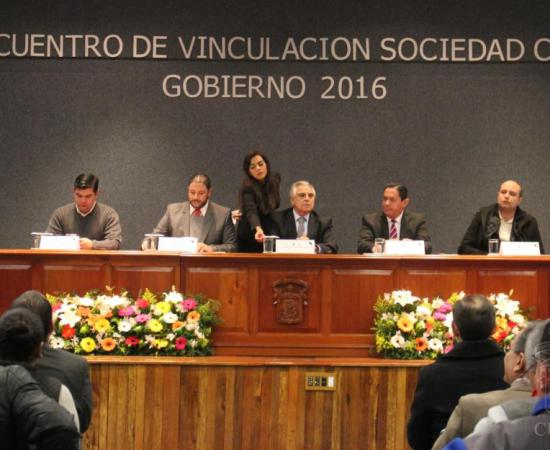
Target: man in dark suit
474	365
503	220
393	222
70	369
302	222
199	217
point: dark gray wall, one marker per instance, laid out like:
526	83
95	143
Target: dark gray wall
449	131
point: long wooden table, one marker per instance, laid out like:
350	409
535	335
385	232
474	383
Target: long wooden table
275	305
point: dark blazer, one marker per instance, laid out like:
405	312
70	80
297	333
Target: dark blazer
217	230
72	371
485	226
318	228
375	225
470	367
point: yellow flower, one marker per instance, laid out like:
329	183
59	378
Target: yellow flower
87	344
160	343
193	316
502	322
405	324
102	325
154	325
162	308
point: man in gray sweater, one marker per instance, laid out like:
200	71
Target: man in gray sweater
97	224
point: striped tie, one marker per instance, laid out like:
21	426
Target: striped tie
393	230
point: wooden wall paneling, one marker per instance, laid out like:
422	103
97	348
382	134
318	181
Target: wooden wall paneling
357	291
135	278
433	282
523	282
15	278
66	276
267	311
229	286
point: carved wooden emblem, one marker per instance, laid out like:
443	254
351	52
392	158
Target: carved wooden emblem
290	297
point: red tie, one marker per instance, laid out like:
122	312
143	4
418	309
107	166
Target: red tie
393	230
196	212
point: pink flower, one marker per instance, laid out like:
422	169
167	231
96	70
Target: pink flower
448	348
180	343
141	303
189	304
126	312
440	316
143	318
445	308
56	307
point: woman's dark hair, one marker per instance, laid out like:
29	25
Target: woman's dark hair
21	333
267	191
37	303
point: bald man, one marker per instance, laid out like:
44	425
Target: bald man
503	220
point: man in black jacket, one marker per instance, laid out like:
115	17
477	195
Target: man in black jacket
27	415
302	222
474	365
70	369
503	220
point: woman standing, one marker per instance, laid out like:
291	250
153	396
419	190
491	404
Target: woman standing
259	197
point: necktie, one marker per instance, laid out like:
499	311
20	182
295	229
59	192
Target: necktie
393	230
197	212
301	231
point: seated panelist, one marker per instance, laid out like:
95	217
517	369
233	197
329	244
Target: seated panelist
98	225
393	222
199	217
303	222
503	220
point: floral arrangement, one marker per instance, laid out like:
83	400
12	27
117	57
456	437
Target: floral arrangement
107	323
409	327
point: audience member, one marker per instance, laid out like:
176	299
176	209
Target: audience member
27	415
474	365
70	369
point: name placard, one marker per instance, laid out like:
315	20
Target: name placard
519	248
71	242
306	246
185	244
404	247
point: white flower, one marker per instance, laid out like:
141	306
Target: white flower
170	317
505	306
170	336
69	317
448	320
174	297
404	298
518	319
435	345
85	301
423	311
57	342
191	326
124	326
397	340
199	333
193	343
437	302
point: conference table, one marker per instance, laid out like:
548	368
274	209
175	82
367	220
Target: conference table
281	304
284	317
